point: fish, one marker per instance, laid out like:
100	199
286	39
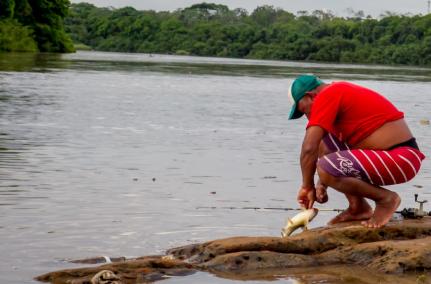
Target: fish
299	220
105	277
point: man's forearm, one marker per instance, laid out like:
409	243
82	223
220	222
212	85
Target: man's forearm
309	154
308	168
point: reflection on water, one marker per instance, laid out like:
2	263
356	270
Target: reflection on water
112	154
36	62
104	61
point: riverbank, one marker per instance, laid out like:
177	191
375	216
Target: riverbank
266	33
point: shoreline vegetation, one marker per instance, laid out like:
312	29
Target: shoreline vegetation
32	26
266	33
214	30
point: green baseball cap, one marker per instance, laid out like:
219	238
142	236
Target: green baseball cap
298	89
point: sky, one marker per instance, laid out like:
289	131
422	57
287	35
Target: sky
339	7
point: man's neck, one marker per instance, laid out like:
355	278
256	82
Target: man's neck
321	87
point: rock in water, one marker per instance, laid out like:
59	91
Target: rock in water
342	253
98	260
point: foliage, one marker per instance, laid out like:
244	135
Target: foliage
39	21
7	8
15	37
267	33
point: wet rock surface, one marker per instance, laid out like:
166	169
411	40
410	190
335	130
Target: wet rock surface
140	270
400	249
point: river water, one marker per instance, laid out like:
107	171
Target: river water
112	154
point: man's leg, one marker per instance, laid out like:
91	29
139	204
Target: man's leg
329	144
356	190
358	209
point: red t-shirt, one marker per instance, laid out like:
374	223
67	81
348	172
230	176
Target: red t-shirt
351	112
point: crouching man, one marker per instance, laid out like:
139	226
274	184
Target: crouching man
358	142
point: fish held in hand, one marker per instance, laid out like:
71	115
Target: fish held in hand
299	220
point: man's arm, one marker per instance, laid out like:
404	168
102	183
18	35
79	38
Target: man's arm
310	153
308	160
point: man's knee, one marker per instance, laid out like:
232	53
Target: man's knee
325	177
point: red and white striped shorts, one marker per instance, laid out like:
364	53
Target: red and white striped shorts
378	167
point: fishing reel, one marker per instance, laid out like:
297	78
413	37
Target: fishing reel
415	213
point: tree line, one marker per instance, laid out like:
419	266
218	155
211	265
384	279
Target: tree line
266	33
215	30
34	25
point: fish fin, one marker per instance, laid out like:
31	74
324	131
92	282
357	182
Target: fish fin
289	221
305	228
286	232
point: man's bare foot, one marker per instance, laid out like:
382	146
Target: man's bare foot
351	215
383	212
358	210
321	195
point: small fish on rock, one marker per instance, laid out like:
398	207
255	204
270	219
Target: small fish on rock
299	220
168	257
105	277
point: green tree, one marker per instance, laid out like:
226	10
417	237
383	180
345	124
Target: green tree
41	20
7	8
268	33
15	37
264	15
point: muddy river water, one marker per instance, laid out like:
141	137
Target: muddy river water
111	154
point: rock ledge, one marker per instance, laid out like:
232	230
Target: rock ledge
401	250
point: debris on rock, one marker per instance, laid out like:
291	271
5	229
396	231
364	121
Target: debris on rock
424	122
105	277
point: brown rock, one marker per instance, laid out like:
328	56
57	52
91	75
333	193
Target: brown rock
141	270
401	248
309	242
98	260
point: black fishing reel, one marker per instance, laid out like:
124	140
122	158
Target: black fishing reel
415	213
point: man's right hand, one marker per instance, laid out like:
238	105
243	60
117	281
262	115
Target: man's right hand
306	197
321	194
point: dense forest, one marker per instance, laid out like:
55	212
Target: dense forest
34	25
266	33
215	30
